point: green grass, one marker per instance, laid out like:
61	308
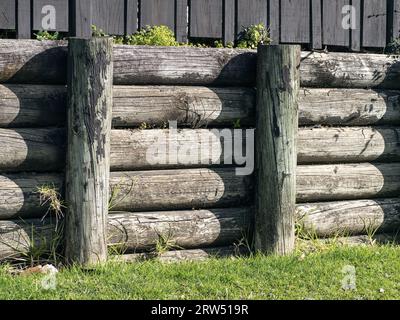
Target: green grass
315	276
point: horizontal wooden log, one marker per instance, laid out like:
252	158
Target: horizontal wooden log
175	256
31	61
180	229
347	181
205	188
134	106
42	105
19	194
133	232
137	191
32	105
19	237
43	149
183	65
328	219
180	189
349	70
348	107
189	106
32	150
348	144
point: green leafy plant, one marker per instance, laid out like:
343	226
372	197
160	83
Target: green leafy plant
97	32
153	36
252	36
47	35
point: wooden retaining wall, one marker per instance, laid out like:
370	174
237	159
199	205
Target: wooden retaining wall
348	174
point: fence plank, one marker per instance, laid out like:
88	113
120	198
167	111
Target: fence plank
7	14
206	18
181	28
157	12
274	20
109	15
81	12
229	21
355	35
316	15
24	19
396	19
374	28
295	21
333	32
251	12
61	14
131	16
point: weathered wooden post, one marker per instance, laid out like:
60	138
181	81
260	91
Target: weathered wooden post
278	83
90	77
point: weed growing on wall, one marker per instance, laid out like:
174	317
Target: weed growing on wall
252	36
47	35
153	36
249	38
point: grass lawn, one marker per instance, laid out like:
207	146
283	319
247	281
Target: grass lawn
316	275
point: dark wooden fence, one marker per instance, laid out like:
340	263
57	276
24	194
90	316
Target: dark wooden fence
317	23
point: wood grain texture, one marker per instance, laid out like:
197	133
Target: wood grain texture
189	106
19	196
344	70
206	188
24	21
349	107
333	32
34	106
32	150
88	163
374	26
44	62
157	12
136	191
206	18
329	219
18	237
34	62
344	145
347	181
7	14
185	229
278	83
109	16
139	232
183	65
42	150
295	21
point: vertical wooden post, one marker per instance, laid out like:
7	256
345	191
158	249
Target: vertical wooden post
278	83
90	76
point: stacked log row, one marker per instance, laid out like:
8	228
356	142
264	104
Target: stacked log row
348	177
